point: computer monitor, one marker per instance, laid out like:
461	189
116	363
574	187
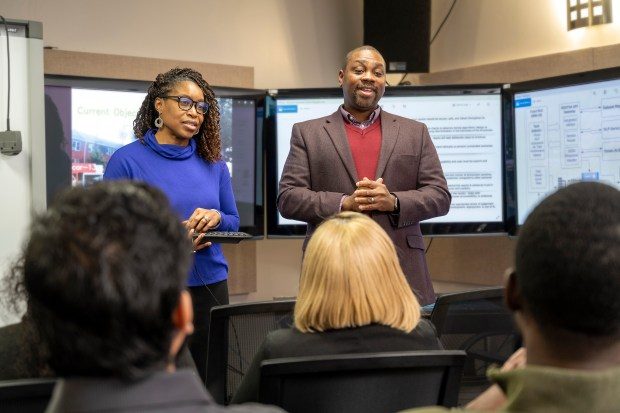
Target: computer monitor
465	124
88	119
566	129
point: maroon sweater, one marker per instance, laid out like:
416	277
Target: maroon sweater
365	147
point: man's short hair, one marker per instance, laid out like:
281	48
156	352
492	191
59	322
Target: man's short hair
568	260
103	270
357	49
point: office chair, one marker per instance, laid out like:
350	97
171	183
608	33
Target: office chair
479	323
235	335
371	382
25	396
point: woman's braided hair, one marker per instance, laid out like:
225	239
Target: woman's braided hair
208	137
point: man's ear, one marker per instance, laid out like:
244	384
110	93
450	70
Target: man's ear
183	315
340	76
513	292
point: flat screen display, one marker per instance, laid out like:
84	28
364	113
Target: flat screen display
88	119
567	129
465	125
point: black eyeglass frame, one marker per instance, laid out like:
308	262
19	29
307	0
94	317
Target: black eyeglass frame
193	104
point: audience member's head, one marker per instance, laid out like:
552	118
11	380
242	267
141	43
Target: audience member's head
567	275
104	271
351	277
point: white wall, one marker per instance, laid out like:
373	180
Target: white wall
290	43
488	31
20	173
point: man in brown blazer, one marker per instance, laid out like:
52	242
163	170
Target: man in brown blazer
364	159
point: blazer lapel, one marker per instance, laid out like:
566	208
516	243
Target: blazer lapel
389	134
334	126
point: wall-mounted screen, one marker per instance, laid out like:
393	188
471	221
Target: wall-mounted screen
465	124
566	129
88	119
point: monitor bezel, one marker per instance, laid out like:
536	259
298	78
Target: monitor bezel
536	85
275	230
257	230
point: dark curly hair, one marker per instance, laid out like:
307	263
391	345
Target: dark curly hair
208	137
568	260
102	273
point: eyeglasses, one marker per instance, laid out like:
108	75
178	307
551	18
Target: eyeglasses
186	103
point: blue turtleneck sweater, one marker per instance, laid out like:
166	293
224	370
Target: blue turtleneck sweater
190	182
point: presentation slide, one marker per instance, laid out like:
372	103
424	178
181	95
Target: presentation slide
465	129
467	133
564	135
101	122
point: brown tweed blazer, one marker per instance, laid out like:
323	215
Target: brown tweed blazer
319	170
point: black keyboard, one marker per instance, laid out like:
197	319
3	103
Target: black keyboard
224	237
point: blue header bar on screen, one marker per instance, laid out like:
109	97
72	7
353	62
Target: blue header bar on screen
287	109
523	103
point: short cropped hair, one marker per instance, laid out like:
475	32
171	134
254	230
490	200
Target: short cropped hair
568	260
351	277
347	58
103	271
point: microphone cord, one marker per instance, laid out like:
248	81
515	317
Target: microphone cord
8	75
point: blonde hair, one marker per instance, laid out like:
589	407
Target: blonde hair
351	277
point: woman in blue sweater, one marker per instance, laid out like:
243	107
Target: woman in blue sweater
178	150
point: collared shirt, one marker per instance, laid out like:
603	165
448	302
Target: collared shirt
374	116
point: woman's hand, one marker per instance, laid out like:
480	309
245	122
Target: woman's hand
197	242
201	220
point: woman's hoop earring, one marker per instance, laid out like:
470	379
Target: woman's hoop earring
159	122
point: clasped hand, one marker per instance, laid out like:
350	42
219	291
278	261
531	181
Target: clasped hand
369	196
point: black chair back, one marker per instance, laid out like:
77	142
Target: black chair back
25	396
372	382
479	323
235	335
